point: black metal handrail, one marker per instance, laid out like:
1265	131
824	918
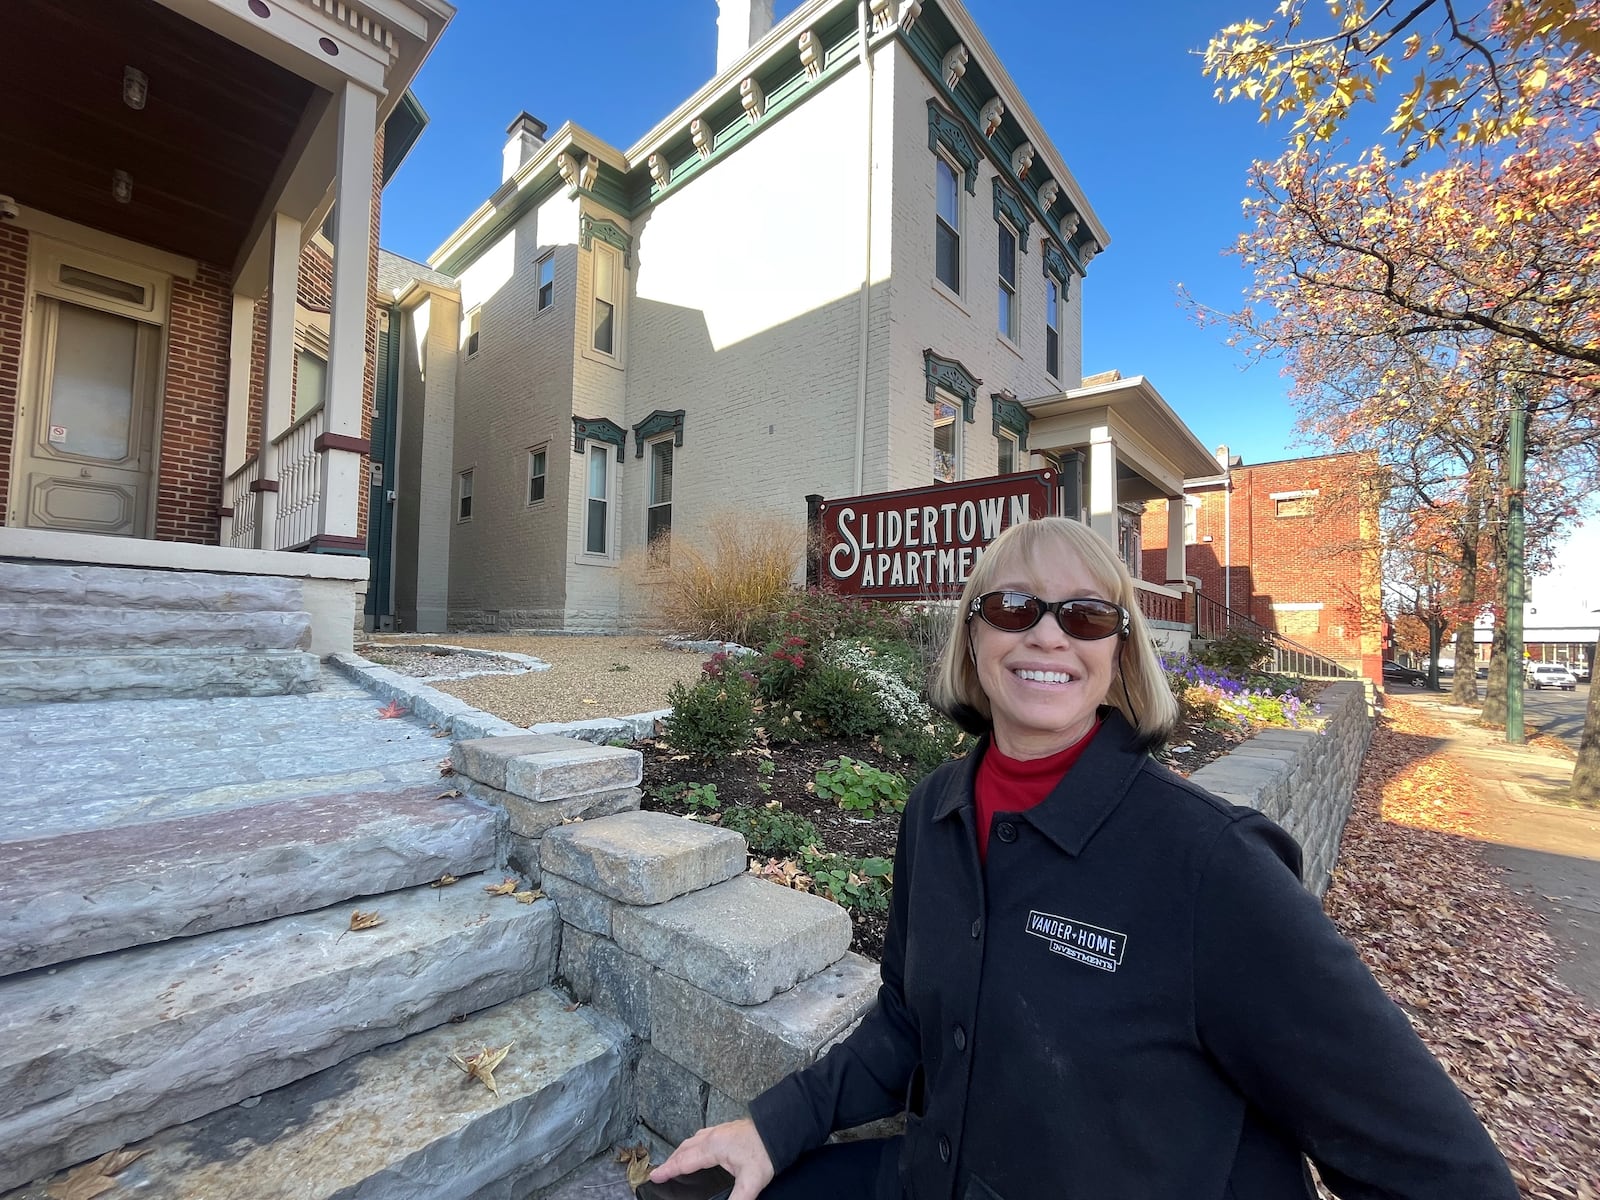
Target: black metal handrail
1215	619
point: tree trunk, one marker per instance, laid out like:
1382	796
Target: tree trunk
1586	773
1494	698
1464	686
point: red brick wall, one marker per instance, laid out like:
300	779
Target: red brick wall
1324	558
194	408
13	294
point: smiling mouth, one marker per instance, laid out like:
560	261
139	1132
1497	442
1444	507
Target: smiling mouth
1044	676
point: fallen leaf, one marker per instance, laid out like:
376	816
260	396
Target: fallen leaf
637	1160
446	767
526	897
506	887
452	794
363	920
94	1178
444	881
573	1007
482	1064
392	709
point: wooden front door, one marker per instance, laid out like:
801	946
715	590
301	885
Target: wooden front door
89	422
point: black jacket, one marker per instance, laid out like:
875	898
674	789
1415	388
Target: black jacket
1135	1001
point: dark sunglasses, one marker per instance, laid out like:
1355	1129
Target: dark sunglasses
1081	617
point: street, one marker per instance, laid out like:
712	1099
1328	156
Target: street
1559	714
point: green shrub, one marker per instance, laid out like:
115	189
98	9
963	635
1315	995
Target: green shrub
859	787
1238	652
772	830
838	701
697	797
711	719
852	883
925	747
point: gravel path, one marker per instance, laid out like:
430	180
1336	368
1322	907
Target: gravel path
588	676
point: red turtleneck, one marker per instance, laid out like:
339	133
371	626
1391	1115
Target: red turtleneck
1017	784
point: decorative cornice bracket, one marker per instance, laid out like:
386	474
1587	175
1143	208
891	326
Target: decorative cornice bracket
599	429
657	423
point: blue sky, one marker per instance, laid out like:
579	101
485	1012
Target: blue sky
1119	94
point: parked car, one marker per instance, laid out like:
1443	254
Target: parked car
1393	672
1581	672
1550	675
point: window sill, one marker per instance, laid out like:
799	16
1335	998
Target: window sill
939	289
585	559
1009	344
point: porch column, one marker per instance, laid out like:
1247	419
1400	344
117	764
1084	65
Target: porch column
1103	485
236	439
341	442
1177	510
283	282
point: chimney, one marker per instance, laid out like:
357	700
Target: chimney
740	25
524	136
1225	460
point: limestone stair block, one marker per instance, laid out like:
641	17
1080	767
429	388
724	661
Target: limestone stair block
403	1123
576	769
744	941
152	675
89	891
642	857
108	1050
135	587
40	629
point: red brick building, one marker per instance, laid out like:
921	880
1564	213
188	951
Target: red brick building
1292	545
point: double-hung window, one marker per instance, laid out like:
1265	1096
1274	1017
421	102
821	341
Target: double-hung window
1052	326
537	466
547	280
597	501
472	322
606	286
947	222
1008	452
1008	282
658	516
946	439
464	496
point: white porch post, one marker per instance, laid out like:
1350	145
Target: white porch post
283	284
236	438
341	442
1177	511
1103	485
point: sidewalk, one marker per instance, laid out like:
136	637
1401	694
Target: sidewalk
1550	852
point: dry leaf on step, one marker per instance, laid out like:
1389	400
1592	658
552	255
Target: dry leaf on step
506	887
446	767
363	920
481	1065
445	880
637	1160
392	709
450	795
94	1178
527	897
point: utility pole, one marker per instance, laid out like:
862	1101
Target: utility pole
1516	541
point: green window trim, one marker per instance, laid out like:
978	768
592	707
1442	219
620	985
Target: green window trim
659	422
1007	206
608	232
945	131
598	429
1055	263
1010	417
951	376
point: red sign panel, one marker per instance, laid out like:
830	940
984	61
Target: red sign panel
923	541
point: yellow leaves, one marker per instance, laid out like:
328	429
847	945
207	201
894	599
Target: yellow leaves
481	1065
94	1178
637	1161
363	920
527	897
1412	45
506	887
444	880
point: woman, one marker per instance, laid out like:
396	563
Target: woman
1100	980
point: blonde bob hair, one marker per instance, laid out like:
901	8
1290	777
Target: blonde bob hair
1139	686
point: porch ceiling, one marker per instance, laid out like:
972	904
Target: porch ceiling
202	154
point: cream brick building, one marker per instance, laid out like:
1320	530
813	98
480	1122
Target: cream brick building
852	262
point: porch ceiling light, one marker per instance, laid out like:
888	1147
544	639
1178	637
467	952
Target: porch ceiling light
135	88
122	187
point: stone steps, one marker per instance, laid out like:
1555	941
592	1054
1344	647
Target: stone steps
403	1123
89	891
108	1050
87	632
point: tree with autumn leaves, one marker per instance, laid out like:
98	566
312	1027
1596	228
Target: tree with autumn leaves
1417	289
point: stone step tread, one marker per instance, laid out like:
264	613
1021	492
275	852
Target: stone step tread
154	674
107	1050
403	1123
133	587
71	895
68	629
642	857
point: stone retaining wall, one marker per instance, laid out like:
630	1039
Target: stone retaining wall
1304	779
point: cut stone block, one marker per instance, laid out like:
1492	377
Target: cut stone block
643	857
134	587
744	941
672	1101
109	1050
403	1123
533	819
741	1051
573	770
485	759
46	628
157	674
90	891
596	972
588	910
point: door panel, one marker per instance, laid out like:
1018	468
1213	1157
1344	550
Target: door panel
90	423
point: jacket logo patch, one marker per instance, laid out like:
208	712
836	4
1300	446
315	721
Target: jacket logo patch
1088	944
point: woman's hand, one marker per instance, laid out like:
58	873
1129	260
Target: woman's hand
735	1147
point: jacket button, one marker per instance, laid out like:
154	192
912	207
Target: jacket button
977	929
960	1036
1007	832
944	1148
